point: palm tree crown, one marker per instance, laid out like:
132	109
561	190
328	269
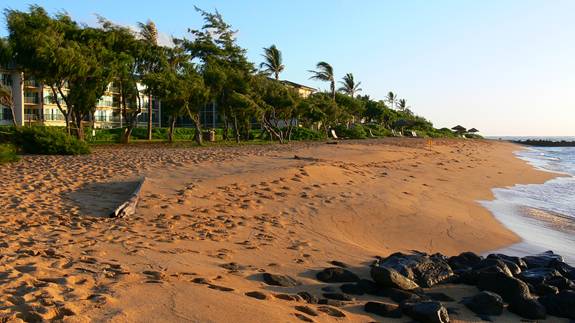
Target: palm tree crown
273	61
349	86
324	73
149	32
391	98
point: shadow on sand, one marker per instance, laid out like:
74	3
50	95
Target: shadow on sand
100	199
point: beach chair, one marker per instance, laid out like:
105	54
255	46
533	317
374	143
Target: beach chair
413	134
333	134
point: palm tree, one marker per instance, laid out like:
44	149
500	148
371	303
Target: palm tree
273	61
324	73
391	98
402	106
349	86
149	34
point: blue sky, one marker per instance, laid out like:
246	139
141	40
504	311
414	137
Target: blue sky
506	67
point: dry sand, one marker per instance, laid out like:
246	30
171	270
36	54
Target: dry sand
212	220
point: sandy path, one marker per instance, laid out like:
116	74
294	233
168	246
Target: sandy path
212	220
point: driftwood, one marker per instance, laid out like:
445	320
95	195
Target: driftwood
129	207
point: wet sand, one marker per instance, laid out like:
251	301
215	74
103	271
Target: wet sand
212	220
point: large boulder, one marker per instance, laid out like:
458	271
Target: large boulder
562	304
510	288
515	292
426	312
539	275
544	259
423	269
464	261
337	275
516	260
563	268
508	268
388	277
529	308
485	303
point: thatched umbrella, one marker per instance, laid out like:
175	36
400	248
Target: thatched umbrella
472	130
459	129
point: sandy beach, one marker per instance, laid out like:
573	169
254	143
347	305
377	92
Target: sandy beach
212	220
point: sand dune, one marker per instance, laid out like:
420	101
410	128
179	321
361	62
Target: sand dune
211	221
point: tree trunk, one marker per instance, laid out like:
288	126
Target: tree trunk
226	126
171	129
66	112
150	117
236	129
127	134
79	126
198	135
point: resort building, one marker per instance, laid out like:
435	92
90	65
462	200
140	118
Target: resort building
302	90
35	104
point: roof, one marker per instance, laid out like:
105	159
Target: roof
472	130
297	85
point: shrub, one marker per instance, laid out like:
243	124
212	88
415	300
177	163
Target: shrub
8	153
355	132
301	133
378	131
48	141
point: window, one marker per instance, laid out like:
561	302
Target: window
5	79
31	97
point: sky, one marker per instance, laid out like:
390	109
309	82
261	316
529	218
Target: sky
505	67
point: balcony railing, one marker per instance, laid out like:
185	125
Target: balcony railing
54	117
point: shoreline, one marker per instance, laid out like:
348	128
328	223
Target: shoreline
539	230
211	220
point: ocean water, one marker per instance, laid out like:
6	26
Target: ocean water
543	215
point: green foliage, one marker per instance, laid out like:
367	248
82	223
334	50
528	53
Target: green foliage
355	132
48	141
8	153
301	133
378	130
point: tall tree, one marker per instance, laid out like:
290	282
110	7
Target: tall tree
324	73
391	98
225	69
349	86
44	48
272	64
149	33
403	107
6	97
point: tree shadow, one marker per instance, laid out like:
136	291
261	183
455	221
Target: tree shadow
101	199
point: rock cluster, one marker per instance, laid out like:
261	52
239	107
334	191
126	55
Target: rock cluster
531	287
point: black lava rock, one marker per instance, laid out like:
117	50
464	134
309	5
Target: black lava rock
419	267
562	304
464	261
544	259
383	309
485	303
280	280
389	277
426	312
529	308
336	275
